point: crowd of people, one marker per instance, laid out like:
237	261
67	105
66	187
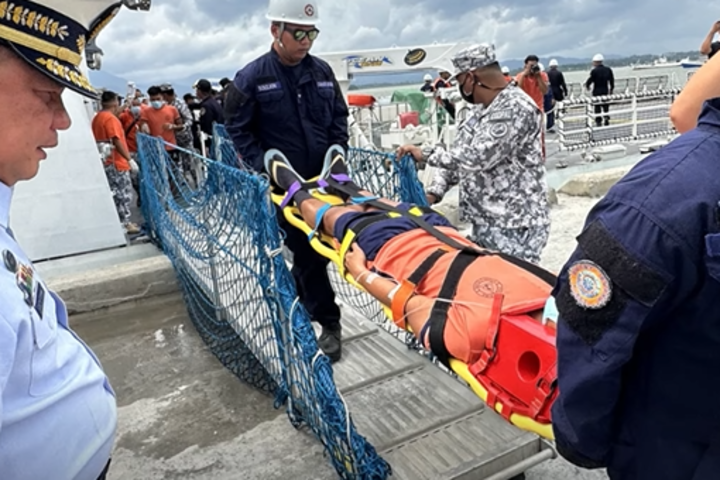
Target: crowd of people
185	125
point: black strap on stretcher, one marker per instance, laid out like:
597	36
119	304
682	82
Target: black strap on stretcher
466	256
536	270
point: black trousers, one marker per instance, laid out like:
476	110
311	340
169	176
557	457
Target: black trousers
311	276
599	108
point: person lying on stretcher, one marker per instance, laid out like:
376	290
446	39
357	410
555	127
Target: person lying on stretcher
439	285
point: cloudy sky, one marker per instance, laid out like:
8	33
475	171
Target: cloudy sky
181	38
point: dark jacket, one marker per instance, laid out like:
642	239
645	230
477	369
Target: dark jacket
298	110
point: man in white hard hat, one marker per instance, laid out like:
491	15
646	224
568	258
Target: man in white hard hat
428	84
290	100
557	81
506	73
57	410
602	82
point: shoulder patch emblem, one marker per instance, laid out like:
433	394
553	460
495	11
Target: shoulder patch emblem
590	286
10	261
498	130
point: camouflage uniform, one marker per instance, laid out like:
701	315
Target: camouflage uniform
121	188
497	160
184	137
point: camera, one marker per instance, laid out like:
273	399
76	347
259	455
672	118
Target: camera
535	68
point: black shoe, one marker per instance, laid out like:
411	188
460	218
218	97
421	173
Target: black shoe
280	171
330	342
335	168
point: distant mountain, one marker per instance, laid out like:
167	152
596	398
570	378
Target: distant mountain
107	81
103	79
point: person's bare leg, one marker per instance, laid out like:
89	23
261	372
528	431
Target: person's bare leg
310	207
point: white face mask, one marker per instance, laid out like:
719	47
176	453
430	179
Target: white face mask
157	104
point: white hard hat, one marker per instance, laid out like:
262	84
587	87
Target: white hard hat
428	77
505	70
598	57
297	12
553	63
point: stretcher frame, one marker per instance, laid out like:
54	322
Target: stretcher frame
334	251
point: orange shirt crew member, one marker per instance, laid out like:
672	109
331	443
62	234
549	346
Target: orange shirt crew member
106	127
535	83
131	119
162	120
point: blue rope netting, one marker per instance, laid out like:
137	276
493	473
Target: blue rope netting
226	247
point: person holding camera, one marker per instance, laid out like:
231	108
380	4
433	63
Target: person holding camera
710	47
533	81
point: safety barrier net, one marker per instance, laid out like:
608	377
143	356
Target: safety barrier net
222	236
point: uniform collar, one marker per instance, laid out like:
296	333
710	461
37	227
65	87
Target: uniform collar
5	198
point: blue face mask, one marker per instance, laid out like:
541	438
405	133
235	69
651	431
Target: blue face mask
157	104
135	111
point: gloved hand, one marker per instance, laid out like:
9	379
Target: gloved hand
134	167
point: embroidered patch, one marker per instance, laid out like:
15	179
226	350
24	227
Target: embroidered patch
24	278
499	130
40	300
267	87
10	261
500	115
487	287
325	85
589	285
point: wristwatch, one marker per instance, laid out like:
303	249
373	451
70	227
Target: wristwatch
426	152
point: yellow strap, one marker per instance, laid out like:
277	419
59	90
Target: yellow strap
39	45
347	241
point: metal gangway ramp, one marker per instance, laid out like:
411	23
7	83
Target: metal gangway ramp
424	422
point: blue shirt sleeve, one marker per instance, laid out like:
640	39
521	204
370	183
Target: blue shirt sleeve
624	275
339	128
240	106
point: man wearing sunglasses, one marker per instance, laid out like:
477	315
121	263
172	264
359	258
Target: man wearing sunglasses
290	100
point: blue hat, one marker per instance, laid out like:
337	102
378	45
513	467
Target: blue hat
51	35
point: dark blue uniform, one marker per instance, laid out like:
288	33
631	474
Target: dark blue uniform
639	330
210	112
301	111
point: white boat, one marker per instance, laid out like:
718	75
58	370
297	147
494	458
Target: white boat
687	63
661	62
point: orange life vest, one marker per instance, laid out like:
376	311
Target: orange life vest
496	298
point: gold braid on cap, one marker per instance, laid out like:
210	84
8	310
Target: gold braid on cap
102	20
43	25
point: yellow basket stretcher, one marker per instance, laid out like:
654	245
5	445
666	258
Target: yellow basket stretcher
335	251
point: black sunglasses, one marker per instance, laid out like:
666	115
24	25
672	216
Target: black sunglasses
299	34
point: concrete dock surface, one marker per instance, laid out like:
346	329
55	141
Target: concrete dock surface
182	415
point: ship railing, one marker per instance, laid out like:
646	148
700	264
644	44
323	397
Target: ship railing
582	122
